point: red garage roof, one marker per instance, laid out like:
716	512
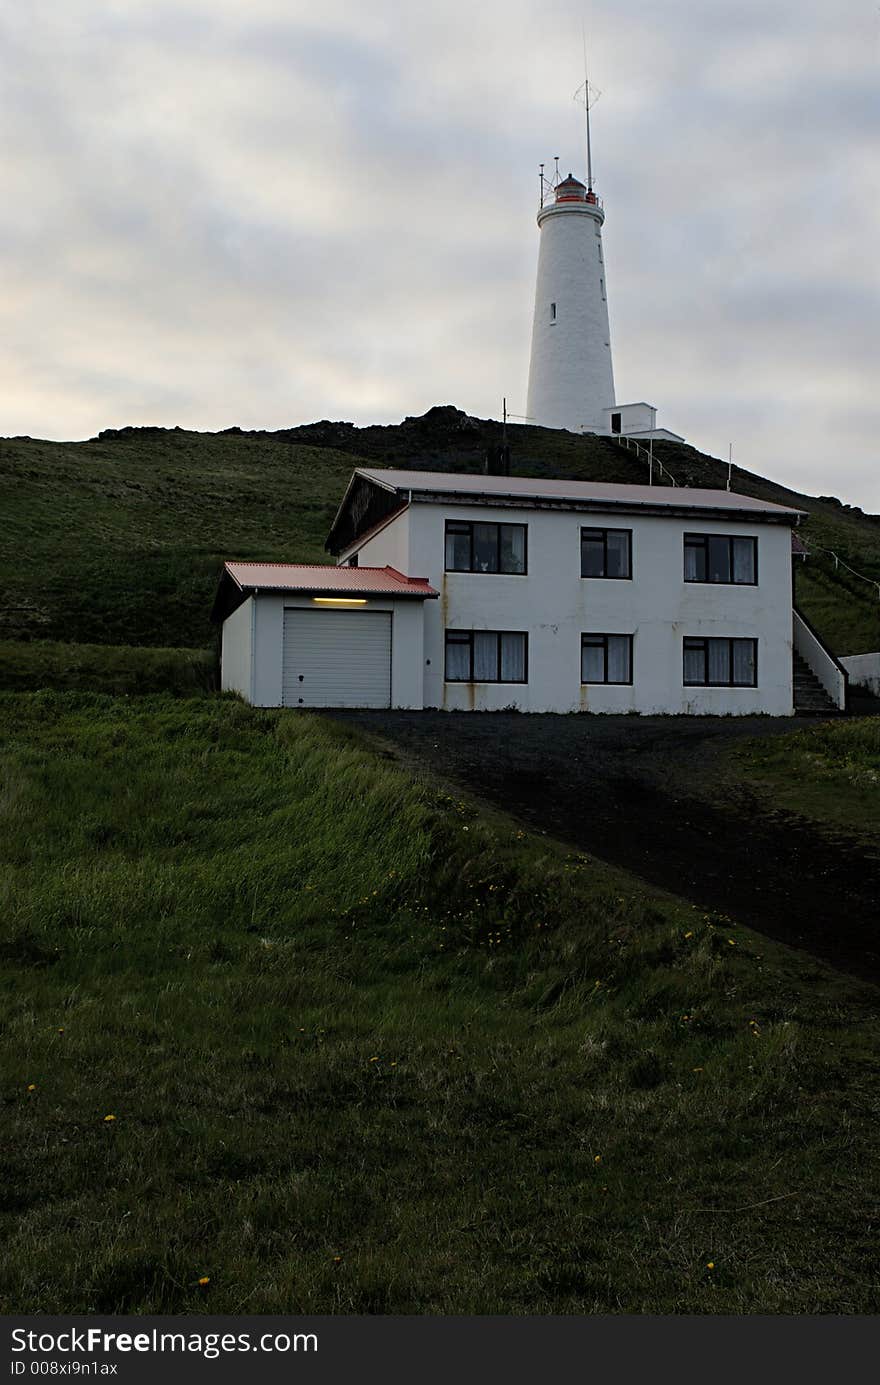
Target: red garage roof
321	577
238	580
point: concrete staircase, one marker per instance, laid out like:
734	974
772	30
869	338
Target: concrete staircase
810	698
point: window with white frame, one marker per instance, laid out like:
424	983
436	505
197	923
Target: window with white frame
720	663
606	658
486	656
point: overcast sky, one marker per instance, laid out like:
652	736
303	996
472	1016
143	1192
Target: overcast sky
263	213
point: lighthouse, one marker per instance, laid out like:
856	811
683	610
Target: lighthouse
571	381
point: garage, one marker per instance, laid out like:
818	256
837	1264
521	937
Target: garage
304	635
336	658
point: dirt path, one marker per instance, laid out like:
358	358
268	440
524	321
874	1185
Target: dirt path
653	795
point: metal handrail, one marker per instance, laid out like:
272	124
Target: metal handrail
652	461
838	562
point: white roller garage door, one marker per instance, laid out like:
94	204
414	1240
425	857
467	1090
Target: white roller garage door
337	658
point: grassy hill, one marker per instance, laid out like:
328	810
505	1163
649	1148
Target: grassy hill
119	540
279	1017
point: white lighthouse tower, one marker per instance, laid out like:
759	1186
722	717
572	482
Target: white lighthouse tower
571	381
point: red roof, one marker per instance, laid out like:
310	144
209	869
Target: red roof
316	578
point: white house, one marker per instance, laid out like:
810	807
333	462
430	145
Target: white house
539	595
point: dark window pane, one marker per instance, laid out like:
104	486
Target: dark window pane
513	658
618	554
458	550
719	661
593	661
694	561
744	560
592	553
485	656
485	548
719	559
744	663
694	662
513	548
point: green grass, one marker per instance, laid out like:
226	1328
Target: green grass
117	669
123	543
370	1049
829	771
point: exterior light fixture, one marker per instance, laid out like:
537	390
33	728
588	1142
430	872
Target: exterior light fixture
340	600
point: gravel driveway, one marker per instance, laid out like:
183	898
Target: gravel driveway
653	794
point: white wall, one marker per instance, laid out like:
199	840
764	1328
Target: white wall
571	381
822	664
236	650
864	671
389	547
408	654
555	605
406	647
633	418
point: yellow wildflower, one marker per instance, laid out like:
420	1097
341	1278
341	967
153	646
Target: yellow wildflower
109	1118
205	1279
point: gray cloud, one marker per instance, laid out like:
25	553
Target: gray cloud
265	214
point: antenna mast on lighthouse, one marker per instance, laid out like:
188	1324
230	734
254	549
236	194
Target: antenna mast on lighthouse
587	97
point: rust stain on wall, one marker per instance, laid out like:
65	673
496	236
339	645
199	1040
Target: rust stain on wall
444	622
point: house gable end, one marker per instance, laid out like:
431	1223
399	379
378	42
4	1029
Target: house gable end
365	505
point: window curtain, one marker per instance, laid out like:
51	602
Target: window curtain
719	661
618	659
592	663
485	657
694	666
744	662
743	560
458	660
513	548
694	563
592	554
618	555
458	551
513	658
